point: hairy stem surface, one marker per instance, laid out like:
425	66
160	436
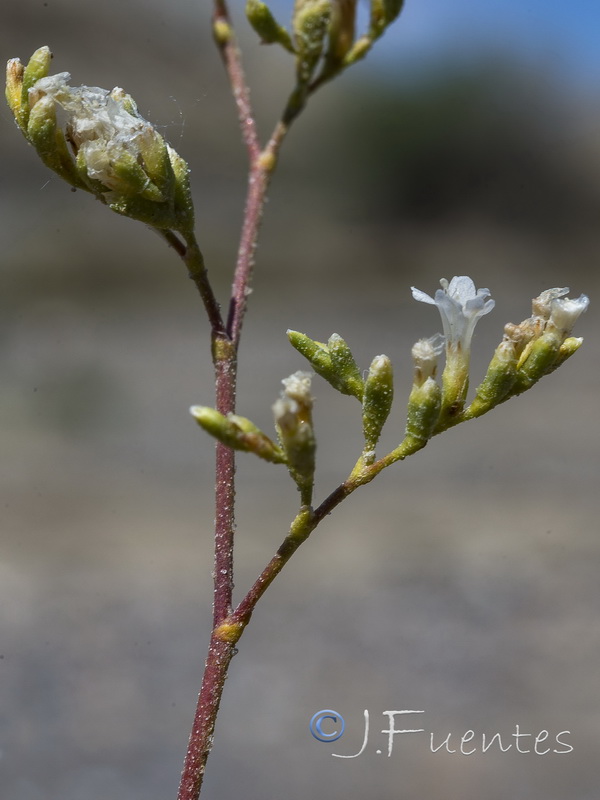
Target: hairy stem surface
225	341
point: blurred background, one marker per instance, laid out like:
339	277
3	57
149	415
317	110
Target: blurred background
462	582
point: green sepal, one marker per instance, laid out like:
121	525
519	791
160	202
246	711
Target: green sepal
498	382
182	193
298	442
377	399
423	411
341	34
156	162
13	90
540	360
310	23
345	368
157	215
132	180
568	348
37	67
50	144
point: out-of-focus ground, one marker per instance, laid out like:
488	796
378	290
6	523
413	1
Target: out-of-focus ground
462	582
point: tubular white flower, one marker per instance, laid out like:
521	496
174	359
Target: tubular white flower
460	306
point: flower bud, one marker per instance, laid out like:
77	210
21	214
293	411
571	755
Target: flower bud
498	381
293	422
311	22
20	79
423	411
543	354
425	355
14	90
346	371
238	433
332	361
377	400
341	30
266	26
424	403
383	13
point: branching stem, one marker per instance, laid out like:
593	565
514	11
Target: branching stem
228	625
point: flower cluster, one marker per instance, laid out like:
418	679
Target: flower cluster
323	33
104	146
528	351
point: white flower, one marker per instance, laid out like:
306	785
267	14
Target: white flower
460	306
565	312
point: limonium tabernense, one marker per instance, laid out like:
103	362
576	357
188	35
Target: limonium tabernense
97	141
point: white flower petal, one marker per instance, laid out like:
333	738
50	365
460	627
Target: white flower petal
460	305
565	312
421	296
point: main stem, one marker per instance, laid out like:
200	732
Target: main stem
225	341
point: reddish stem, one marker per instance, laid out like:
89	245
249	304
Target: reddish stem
261	170
225	343
226	628
225	40
219	655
